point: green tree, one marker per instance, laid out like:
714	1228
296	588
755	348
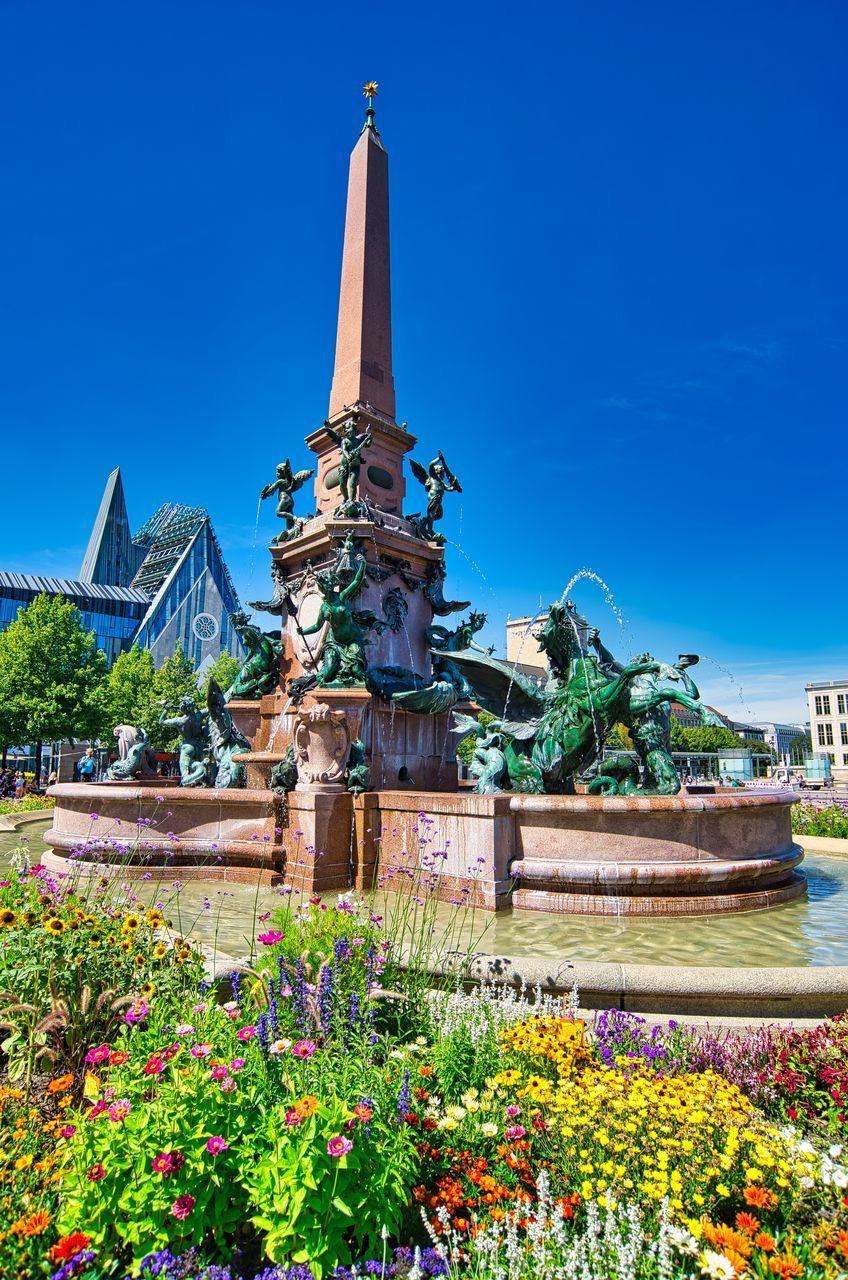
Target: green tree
52	675
465	750
225	668
706	738
756	747
130	689
175	679
800	748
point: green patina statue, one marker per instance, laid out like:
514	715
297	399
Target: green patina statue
351	444
342	655
358	774
190	723
284	773
552	736
286	486
226	742
488	764
462	636
260	673
437	480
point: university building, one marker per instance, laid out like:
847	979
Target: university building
163	588
828	704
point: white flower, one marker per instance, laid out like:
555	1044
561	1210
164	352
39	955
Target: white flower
807	1183
396	1053
716	1266
682	1239
806	1148
835	1152
840	1176
489	1129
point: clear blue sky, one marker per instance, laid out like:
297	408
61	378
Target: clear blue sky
619	292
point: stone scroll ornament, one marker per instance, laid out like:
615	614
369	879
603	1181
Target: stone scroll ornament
286	486
322	744
260	673
351	444
553	736
437	480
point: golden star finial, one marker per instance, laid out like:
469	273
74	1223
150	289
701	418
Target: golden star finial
370	89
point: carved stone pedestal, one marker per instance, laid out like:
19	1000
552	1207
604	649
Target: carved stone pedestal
325	727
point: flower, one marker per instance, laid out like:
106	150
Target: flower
69	1246
7	918
514	1131
304	1049
216	1145
68	1131
96	1172
362	1112
245	1033
183	1206
228	1085
237	1064
120	1110
716	1266
293	1117
168	1162
137	1012
280	1046
55	926
270	938
219	1072
309	1105
34	1225
184	1029
60	1084
339	1146
201	1050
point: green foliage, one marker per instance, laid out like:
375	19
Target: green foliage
175	679
800	748
756	747
52	674
831	821
29	804
705	739
130	690
224	670
465	750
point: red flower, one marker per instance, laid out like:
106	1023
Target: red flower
69	1246
96	1172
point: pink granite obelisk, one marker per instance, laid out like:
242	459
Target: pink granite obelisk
363	367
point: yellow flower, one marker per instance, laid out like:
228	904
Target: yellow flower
160	950
148	990
23	1162
130	923
154	918
7	918
54	925
125	944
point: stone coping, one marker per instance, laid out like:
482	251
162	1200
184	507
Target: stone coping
12	821
171	795
823	844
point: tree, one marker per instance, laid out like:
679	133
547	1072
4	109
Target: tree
757	747
224	669
705	739
52	675
800	748
465	749
130	689
175	679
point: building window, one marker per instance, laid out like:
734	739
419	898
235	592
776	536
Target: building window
831	757
828	735
843	734
840	704
821	735
845	761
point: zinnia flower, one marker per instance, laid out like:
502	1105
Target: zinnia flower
201	1050
96	1172
183	1206
184	1029
168	1162
271	938
69	1246
304	1049
215	1145
280	1046
245	1033
339	1146
120	1110
61	1083
293	1117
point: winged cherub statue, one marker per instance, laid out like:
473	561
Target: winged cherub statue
286	486
437	481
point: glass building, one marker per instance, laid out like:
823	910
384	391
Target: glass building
165	588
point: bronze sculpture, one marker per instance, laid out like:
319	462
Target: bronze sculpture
260	672
286	486
191	725
226	742
351	444
437	480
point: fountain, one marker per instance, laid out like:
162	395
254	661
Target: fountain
340	729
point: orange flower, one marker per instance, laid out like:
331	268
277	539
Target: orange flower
69	1246
760	1198
425	1071
61	1083
786	1266
748	1223
764	1241
34	1225
307	1106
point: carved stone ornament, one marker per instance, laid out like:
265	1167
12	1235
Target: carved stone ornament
322	746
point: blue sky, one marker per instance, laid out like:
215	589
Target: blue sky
619	293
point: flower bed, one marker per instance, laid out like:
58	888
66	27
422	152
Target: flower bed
329	1115
830	820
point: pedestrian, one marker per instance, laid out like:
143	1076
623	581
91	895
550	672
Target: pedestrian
88	766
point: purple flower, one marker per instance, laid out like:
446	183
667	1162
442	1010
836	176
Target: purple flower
339	1146
216	1145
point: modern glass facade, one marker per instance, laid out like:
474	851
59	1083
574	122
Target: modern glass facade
112	613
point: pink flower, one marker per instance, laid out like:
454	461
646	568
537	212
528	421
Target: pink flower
201	1050
200	1008
304	1049
228	1085
293	1117
96	1172
184	1029
137	1012
120	1110
154	1066
339	1146
271	938
280	1046
183	1206
245	1034
219	1072
167	1162
514	1131
100	1054
512	1111
237	1064
216	1145
68	1131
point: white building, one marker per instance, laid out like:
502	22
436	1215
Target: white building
780	738
828	703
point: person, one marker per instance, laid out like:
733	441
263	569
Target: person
20	785
88	766
52	778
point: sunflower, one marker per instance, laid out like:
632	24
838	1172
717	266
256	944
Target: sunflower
148	989
7	918
154	918
125	944
94	941
131	923
54	925
160	950
111	939
29	918
139	961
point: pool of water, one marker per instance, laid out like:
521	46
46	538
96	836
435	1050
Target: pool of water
814	932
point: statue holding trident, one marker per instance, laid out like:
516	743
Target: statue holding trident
351	444
343	660
437	481
286	486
